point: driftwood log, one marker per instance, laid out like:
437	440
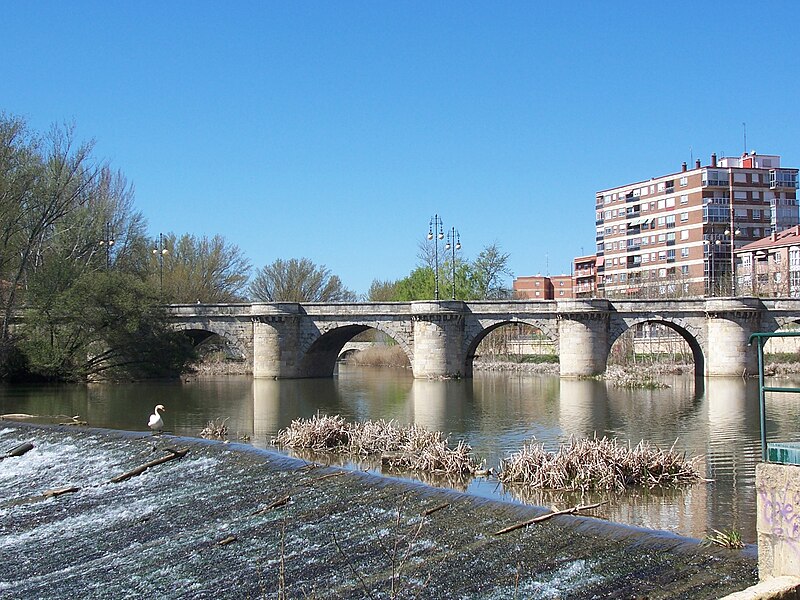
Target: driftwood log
540	518
430	511
173	454
18	450
59	491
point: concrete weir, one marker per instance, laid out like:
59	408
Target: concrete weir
230	521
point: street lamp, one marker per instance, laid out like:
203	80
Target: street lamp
711	252
732	233
160	251
107	242
453	243
436	233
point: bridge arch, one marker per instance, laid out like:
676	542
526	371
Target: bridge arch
688	331
318	356
484	327
202	334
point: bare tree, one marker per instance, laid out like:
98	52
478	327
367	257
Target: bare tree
298	280
201	269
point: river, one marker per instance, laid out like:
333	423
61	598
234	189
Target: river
496	413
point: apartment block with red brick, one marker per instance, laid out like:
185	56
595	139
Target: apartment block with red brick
675	235
534	287
584	276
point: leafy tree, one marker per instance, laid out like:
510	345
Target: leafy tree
488	272
418	285
298	280
199	268
42	180
102	325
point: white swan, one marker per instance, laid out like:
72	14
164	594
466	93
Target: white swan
156	423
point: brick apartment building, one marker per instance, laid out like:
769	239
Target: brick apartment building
673	235
539	287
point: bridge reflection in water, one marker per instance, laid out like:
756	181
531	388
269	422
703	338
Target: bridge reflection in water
495	413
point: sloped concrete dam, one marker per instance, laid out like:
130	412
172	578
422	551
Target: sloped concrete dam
230	521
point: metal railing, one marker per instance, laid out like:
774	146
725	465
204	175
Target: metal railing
762	339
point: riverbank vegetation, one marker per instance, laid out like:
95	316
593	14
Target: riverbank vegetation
82	287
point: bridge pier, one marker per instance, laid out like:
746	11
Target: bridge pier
438	337
583	338
729	323
275	341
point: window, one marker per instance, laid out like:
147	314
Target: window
663	220
670	254
684	217
662	272
670	202
684	199
684	183
660	205
671	237
685	234
671	221
740	177
684	269
684	252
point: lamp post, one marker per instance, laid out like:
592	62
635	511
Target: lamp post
436	233
107	242
732	233
453	243
160	251
711	245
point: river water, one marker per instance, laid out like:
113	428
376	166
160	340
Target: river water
496	413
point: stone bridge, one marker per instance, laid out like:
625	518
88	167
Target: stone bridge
290	340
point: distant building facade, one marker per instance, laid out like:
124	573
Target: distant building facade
584	276
538	287
770	266
677	234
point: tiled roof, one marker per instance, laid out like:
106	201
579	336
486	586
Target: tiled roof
787	237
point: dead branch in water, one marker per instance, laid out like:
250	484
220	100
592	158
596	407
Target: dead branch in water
430	511
173	454
540	518
276	504
59	491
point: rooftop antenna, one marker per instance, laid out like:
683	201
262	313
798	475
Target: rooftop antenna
744	132
691	156
547	264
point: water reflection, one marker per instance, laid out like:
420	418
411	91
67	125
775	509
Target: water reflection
496	413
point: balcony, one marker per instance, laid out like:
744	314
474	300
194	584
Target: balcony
782	179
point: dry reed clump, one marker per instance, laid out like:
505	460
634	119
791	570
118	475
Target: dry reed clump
380	356
216	429
598	464
401	446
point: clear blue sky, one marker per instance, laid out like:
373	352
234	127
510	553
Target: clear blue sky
335	130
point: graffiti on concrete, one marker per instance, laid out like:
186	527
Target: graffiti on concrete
780	509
